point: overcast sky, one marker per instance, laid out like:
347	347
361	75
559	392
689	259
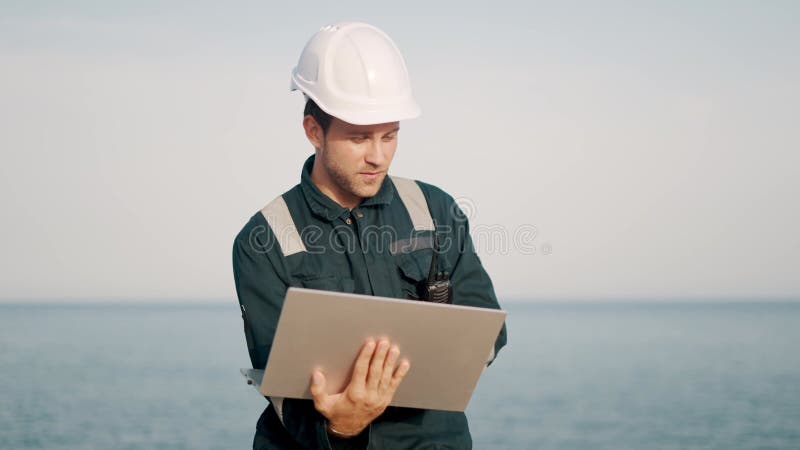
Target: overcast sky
646	151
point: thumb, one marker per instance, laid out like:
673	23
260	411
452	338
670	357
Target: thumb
318	390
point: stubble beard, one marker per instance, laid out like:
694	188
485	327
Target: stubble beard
350	182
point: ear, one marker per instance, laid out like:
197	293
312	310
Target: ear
313	131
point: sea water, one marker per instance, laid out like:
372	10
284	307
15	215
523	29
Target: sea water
575	375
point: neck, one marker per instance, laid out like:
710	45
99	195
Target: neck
327	186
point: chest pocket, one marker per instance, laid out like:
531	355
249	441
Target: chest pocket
413	268
312	271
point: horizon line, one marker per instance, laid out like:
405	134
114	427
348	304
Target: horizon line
515	300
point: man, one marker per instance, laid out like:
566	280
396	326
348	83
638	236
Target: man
349	227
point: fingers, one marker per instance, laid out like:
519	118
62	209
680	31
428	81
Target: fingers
399	374
389	366
362	363
377	369
376	366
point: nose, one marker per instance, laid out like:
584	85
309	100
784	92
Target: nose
376	153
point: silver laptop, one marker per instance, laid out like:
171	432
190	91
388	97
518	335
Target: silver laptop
448	345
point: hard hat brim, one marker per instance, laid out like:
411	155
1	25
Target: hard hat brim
404	109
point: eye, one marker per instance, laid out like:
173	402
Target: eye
358	139
389	138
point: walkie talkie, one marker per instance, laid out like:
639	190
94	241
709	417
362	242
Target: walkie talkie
437	289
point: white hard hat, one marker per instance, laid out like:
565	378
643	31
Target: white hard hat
355	73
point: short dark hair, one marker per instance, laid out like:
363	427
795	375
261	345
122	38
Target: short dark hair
322	118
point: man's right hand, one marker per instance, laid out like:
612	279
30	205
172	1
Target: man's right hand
376	376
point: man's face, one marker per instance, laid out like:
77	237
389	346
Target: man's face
356	158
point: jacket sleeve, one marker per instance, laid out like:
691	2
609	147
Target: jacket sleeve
261	287
469	280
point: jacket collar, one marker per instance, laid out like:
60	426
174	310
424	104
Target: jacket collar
325	207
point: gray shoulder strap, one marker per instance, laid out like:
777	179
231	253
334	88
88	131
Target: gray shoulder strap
412	196
280	220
